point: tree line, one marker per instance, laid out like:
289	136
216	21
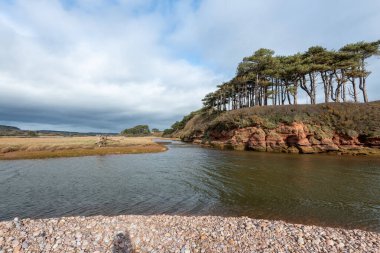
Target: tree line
266	79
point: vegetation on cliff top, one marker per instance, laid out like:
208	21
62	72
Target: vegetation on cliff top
179	125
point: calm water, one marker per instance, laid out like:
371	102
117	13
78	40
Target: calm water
189	180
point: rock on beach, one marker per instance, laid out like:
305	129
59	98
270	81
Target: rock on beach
181	234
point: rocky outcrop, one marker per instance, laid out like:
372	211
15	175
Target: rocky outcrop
296	137
333	127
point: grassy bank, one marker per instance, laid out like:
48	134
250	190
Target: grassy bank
345	118
342	128
54	147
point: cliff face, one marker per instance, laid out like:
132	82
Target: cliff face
349	128
293	138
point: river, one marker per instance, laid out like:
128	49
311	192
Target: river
324	190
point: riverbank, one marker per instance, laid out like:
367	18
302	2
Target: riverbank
163	233
12	148
339	128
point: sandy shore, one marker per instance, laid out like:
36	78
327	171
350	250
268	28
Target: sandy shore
164	233
52	147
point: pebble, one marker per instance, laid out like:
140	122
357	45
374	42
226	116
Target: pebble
330	242
25	245
179	234
15	243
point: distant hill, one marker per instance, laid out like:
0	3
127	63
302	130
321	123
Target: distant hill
67	133
9	128
15	131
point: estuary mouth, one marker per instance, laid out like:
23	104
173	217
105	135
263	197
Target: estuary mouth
189	180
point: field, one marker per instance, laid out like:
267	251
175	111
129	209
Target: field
51	147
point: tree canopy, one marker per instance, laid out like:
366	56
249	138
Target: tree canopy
139	130
268	79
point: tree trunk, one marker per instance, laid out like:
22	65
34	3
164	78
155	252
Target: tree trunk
326	79
288	95
337	92
344	91
275	92
257	90
354	90
295	92
303	86
362	84
362	87
313	89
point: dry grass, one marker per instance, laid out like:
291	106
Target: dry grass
50	147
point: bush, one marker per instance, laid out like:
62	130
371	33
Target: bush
139	130
155	130
168	131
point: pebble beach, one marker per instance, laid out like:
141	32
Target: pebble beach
182	234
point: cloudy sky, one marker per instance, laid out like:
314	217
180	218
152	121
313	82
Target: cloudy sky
103	65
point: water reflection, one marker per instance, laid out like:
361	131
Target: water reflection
325	190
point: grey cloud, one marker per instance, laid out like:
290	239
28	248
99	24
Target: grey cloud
103	70
37	118
108	66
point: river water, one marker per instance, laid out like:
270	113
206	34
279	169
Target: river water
325	190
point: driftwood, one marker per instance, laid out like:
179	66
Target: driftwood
102	142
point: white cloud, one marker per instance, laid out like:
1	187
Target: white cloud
103	62
223	32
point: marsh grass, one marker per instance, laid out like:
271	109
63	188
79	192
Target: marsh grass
51	147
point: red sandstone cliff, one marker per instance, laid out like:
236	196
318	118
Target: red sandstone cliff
293	138
348	128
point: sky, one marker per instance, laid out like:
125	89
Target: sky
105	65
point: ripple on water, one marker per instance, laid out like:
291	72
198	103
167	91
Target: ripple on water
187	179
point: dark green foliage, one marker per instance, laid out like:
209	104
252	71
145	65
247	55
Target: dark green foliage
155	130
168	132
266	79
32	134
178	125
139	130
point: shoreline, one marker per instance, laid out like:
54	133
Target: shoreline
185	234
16	148
218	145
